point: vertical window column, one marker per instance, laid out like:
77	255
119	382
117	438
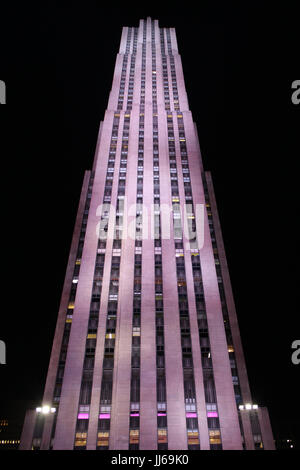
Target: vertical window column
91	338
164	70
186	346
209	385
123	72
134	422
110	335
230	347
132	71
162	433
173	72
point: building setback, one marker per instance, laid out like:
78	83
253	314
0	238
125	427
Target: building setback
147	351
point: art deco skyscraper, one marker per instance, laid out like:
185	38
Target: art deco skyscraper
147	351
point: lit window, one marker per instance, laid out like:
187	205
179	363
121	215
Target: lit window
134	436
214	437
80	439
193	437
110	336
103	439
136	331
162	436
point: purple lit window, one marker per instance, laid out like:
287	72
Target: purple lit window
212	414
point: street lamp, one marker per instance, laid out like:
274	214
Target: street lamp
45	409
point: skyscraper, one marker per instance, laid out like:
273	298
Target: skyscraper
147	351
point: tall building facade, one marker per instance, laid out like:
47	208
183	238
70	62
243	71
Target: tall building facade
147	351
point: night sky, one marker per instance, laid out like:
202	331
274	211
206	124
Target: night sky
239	63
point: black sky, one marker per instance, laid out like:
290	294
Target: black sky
239	63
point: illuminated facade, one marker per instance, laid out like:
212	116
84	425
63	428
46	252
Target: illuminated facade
147	351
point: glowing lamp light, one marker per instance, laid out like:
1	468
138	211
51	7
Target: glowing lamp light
45	409
248	406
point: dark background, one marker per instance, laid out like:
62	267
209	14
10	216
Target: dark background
239	62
